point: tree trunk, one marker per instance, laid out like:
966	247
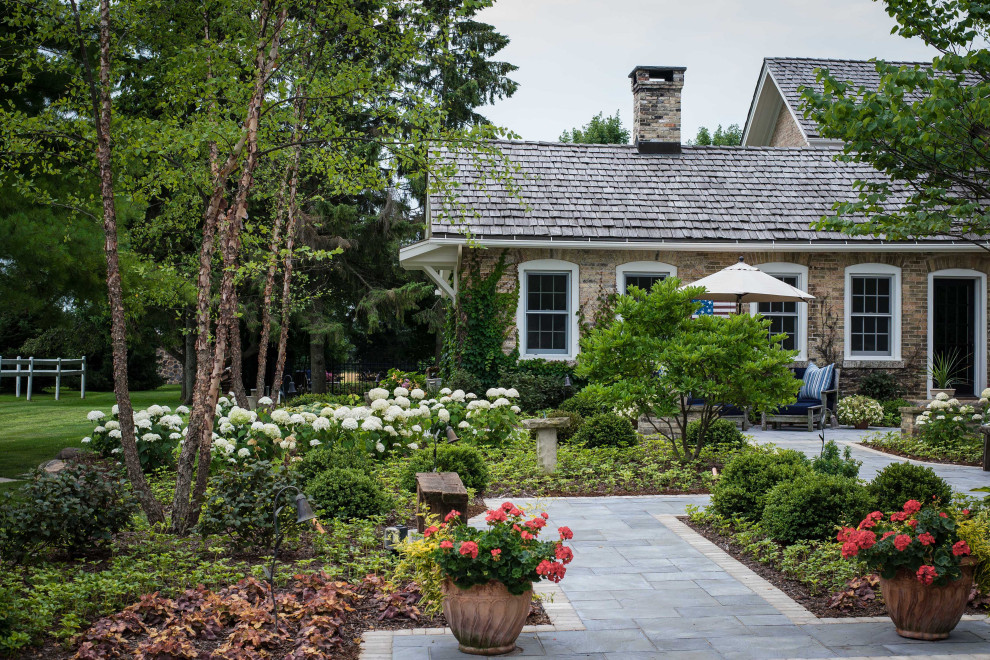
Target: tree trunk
102	108
290	239
185	509
189	363
318	362
236	359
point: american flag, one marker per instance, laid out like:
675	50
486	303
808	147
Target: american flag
712	308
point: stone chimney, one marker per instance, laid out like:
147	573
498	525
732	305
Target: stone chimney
657	108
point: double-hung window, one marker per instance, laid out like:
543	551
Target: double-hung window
642	274
547	315
873	307
547	312
871	317
784	318
644	281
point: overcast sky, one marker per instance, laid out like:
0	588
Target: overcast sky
574	56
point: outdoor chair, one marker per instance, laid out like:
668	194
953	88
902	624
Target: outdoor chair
813	412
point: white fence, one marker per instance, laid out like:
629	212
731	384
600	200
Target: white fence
28	368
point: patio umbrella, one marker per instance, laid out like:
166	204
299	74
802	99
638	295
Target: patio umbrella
741	283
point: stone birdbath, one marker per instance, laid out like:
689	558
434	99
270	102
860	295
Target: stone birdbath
546	439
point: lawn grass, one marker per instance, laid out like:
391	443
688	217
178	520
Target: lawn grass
33	432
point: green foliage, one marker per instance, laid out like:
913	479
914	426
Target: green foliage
477	326
606	430
347	493
462	379
584	404
324	399
721	433
892	411
465	460
327	457
416	564
730	136
923	127
352	549
880	386
651	358
72	510
812	507
240	501
566	433
975	530
969	451
899	482
829	462
600	130
541	383
745	484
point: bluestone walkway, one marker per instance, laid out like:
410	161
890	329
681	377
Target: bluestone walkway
644	585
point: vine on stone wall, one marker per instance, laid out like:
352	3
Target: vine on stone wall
478	324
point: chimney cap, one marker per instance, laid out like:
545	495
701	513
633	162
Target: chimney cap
656	69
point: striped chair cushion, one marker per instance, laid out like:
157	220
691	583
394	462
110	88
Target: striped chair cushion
815	381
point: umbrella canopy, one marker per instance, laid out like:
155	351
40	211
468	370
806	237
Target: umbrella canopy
741	283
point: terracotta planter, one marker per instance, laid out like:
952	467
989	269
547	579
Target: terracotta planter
486	619
934	392
922	611
862	425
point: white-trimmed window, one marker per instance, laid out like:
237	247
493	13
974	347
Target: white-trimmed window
873	312
788	318
547	314
643	274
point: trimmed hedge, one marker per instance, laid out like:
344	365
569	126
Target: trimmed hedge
810	508
748	478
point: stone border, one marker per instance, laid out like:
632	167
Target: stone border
377	644
793	610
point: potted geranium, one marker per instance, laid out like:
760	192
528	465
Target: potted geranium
926	571
489	574
859	411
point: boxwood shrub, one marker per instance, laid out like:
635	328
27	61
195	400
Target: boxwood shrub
606	430
899	482
722	433
748	478
810	508
347	493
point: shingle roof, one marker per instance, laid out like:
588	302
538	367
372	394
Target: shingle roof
790	73
614	193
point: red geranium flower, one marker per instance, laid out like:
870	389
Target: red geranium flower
926	574
545	515
943	514
526	535
871	520
536	523
960	548
506	506
912	506
450	516
429	531
446	545
912	523
926	539
469	548
898	516
902	541
844	534
496	515
496	552
887	535
565	533
849	549
564	553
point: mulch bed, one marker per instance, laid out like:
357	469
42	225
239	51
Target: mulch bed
817	605
925	459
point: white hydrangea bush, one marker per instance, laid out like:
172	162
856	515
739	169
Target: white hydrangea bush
856	409
948	423
402	420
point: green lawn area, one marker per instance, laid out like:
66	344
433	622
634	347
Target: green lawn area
33	432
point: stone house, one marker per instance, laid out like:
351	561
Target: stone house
590	220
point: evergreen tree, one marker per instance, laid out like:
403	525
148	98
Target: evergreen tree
600	130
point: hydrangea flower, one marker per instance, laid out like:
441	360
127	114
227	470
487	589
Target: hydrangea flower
457	395
95	415
265	401
175	436
464	425
342	413
380	447
321	424
112	424
272	431
183	410
372	424
445	391
512	393
243	452
378	393
417	394
492	393
516	409
941	396
400	391
443	415
350	424
413	446
87	440
281	416
115	410
226	427
297	419
240	416
99	429
150	437
499	402
401	401
315	443
143	423
155	410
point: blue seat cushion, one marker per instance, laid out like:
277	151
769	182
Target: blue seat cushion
800	407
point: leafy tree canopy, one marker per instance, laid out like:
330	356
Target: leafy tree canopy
600	130
926	127
730	136
652	358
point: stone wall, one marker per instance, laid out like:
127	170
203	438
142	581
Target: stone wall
786	132
826	281
169	368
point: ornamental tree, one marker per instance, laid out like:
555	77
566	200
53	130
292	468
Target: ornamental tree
927	128
653	359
